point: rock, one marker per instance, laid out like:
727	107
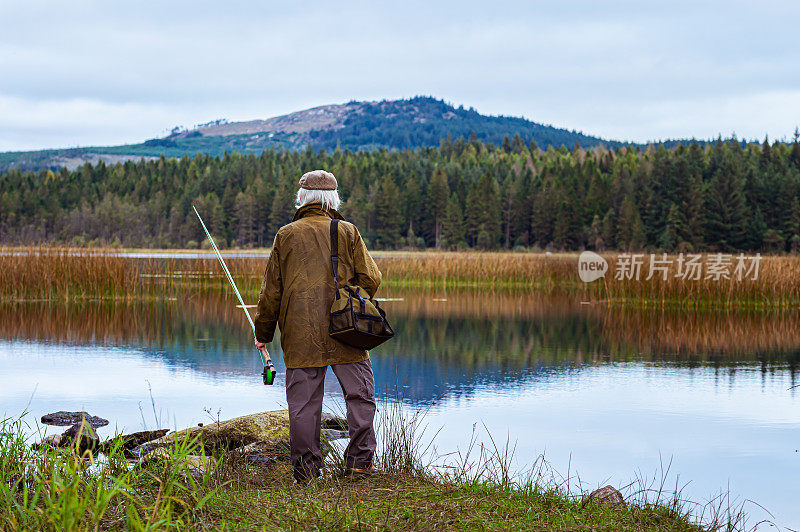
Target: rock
606	496
138	438
52	439
267	428
262	459
329	421
259	437
198	465
62	419
80	436
133	440
195	464
271	452
331	434
264	452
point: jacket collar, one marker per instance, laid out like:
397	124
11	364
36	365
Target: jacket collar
315	209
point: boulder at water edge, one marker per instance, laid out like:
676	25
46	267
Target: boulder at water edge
606	496
80	436
261	437
128	442
62	419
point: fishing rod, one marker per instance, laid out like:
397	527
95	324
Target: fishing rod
269	368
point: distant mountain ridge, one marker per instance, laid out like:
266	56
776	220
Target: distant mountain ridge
395	125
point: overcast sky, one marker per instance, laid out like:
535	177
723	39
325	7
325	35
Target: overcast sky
81	73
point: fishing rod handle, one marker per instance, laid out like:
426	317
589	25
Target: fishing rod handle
269	368
265	353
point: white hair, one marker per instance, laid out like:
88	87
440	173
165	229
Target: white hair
328	198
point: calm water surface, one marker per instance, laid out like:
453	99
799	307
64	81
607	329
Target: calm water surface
608	394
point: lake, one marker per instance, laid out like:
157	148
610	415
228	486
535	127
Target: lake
606	394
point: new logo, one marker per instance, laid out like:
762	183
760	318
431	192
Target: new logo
591	266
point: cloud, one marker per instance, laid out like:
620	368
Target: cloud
97	73
29	123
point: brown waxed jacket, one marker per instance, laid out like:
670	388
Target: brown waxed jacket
297	291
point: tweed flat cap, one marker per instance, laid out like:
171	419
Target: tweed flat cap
318	180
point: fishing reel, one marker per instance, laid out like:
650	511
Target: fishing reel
269	373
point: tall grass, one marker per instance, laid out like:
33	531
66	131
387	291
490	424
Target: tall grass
476	269
60	489
73	274
777	285
54	273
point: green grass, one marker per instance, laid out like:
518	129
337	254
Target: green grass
395	502
60	489
55	489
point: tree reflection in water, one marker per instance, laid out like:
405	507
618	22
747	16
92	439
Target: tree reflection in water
444	344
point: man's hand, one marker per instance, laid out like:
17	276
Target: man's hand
260	345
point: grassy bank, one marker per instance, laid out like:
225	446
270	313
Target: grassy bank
55	489
80	273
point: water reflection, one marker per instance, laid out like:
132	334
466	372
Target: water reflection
444	343
604	390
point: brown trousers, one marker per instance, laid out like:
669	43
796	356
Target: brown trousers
304	391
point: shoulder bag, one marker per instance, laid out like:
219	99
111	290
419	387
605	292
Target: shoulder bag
356	319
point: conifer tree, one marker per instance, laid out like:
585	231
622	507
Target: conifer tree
453	229
508	198
389	215
522	208
792	226
438	194
566	232
282	208
542	218
413	202
631	236
489	219
245	209
726	210
609	233
472	216
794	156
660	195
674	230
355	208
756	228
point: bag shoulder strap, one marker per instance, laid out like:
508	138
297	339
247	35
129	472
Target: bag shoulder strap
335	253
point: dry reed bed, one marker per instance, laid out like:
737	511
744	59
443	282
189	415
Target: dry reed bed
776	286
74	274
69	274
490	270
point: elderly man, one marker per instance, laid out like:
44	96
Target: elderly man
296	295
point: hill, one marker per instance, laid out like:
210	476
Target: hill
394	125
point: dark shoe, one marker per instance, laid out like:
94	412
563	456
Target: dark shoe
305	473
